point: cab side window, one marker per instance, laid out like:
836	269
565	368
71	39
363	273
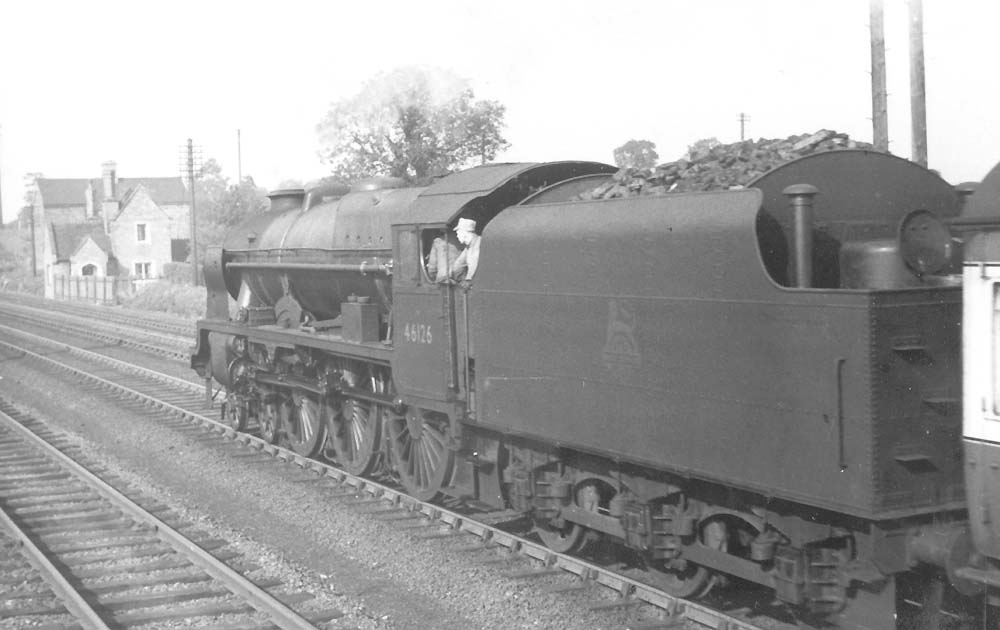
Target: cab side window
407	257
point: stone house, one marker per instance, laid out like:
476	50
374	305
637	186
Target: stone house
110	226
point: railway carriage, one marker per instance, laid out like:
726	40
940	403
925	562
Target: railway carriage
980	223
761	385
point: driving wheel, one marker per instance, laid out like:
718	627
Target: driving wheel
356	436
419	443
306	430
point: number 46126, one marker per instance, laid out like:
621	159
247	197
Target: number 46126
417	333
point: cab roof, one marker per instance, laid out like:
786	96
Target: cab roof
504	184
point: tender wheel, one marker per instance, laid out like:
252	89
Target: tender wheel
570	537
687	579
419	443
356	436
271	419
306	430
925	602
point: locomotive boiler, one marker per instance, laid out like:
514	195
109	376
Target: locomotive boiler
759	386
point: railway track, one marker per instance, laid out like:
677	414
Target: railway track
109	327
78	552
186	400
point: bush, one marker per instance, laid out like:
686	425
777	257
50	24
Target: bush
23	282
167	297
179	272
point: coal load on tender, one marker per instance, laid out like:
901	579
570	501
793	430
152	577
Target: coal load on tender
721	167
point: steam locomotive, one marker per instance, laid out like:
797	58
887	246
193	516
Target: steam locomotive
760	385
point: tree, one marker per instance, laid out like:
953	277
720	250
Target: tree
29	187
702	146
636	154
412	123
220	205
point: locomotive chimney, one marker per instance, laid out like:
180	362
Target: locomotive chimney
286	198
800	197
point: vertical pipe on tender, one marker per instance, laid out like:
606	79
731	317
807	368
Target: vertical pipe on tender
800	197
880	105
918	92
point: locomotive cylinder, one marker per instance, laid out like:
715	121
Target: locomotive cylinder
800	196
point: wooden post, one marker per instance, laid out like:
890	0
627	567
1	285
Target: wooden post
880	108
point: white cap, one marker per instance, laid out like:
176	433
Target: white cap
465	225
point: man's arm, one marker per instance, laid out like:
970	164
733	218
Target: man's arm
459	267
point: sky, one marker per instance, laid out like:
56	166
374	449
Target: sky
82	83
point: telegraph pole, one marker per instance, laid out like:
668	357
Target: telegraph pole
880	108
744	119
188	167
34	261
239	160
918	94
1	175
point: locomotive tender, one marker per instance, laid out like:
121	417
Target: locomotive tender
762	384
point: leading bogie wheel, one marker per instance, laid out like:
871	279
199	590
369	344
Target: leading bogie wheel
272	418
305	430
236	414
419	443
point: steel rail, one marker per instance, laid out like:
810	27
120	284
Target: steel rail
124	366
71	598
627	588
163	324
280	614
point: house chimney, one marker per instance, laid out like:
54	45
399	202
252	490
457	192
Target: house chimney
110	204
110	182
91	210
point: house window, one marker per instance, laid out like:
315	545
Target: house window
141	234
143	269
88	270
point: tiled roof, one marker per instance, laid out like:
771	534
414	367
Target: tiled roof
73	192
63	192
163	190
67	238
